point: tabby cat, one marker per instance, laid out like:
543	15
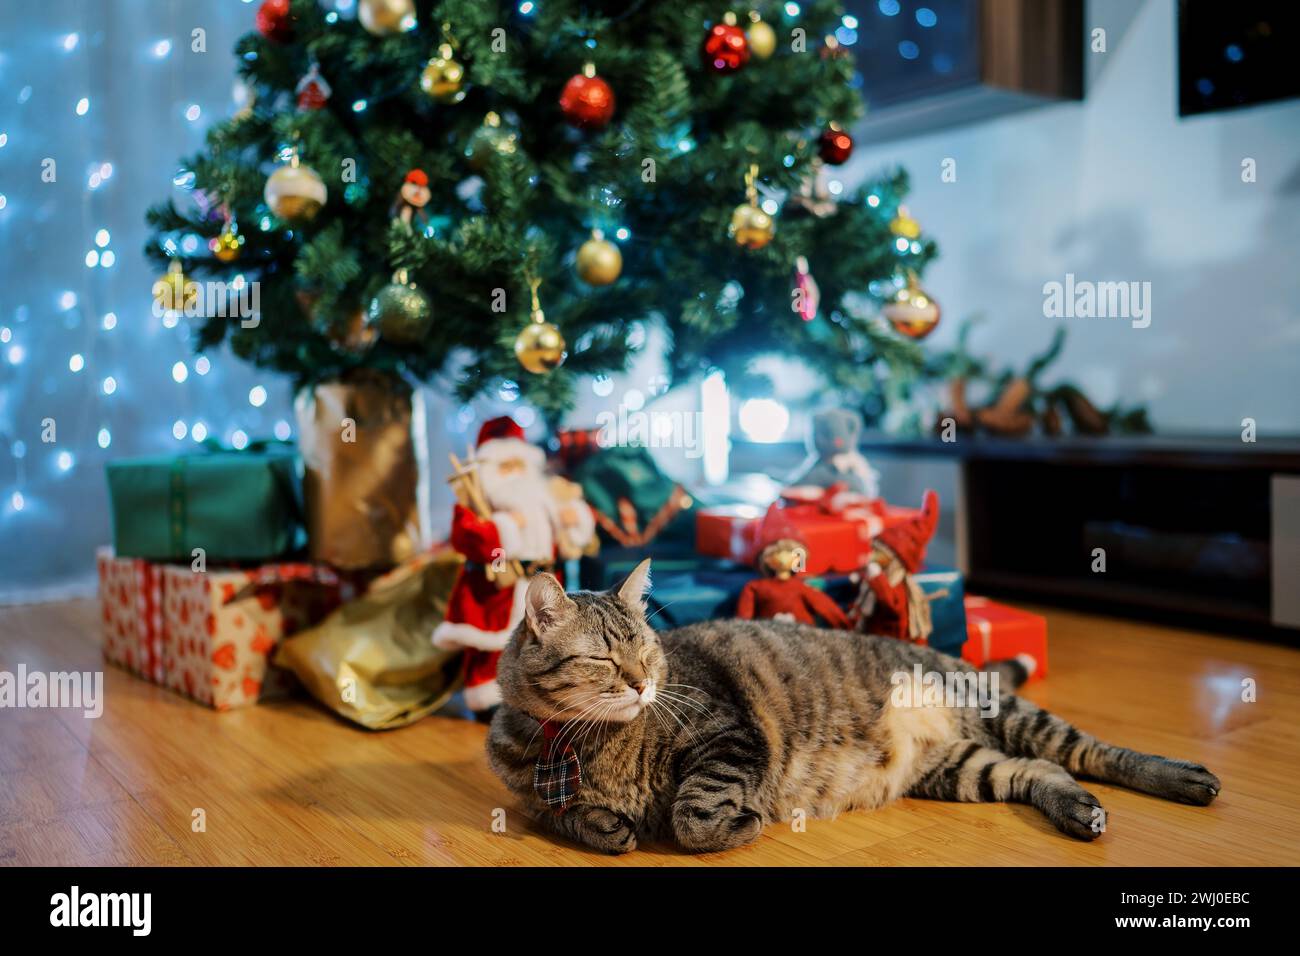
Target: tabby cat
709	732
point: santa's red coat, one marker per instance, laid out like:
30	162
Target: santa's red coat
480	615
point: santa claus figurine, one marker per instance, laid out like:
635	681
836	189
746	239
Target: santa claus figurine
509	526
781	596
890	601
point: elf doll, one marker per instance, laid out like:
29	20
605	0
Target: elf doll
509	526
411	200
780	595
890	601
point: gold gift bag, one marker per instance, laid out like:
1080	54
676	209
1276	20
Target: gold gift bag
364	455
373	660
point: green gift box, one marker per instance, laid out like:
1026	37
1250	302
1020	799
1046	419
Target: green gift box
235	505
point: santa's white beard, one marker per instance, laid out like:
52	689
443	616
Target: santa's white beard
526	493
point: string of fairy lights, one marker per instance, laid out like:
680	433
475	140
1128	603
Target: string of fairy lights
82	355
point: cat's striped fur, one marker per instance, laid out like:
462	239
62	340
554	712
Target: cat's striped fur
707	733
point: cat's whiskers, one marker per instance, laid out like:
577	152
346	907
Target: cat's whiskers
575	723
687	701
672	711
564	705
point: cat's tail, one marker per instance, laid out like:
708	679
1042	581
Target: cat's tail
1012	672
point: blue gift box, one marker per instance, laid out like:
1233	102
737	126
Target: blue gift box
688	597
947	608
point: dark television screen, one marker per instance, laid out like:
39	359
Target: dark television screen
1238	53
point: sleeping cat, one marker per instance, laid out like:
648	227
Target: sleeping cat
613	733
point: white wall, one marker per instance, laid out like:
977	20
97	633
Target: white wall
1119	188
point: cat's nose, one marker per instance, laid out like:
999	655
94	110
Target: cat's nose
639	685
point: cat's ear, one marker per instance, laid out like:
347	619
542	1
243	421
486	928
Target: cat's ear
545	604
634	589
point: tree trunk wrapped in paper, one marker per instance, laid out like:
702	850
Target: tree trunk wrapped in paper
364	455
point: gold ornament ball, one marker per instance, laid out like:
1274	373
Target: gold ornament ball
295	193
912	312
489	138
444	78
386	17
540	348
762	39
401	313
751	227
599	262
173	292
905	226
227	246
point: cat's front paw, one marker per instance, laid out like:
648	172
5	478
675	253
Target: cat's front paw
704	830
604	830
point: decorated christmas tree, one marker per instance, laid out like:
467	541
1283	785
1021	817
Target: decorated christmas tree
499	191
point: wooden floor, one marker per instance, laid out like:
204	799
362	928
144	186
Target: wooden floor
287	783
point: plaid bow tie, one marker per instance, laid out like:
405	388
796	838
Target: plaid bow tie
557	775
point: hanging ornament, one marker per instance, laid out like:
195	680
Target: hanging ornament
911	310
227	244
587	101
834	50
808	296
401	313
313	92
725	48
904	225
814	195
275	21
751	227
489	138
443	77
411	200
295	193
835	146
760	36
540	347
244	96
386	17
599	261
174	292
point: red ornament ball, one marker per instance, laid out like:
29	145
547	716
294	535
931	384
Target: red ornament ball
587	101
836	146
274	21
726	48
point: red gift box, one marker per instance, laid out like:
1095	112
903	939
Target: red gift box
997	632
130	598
836	527
728	531
573	446
221	626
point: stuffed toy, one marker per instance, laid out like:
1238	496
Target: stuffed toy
834	456
890	601
779	595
